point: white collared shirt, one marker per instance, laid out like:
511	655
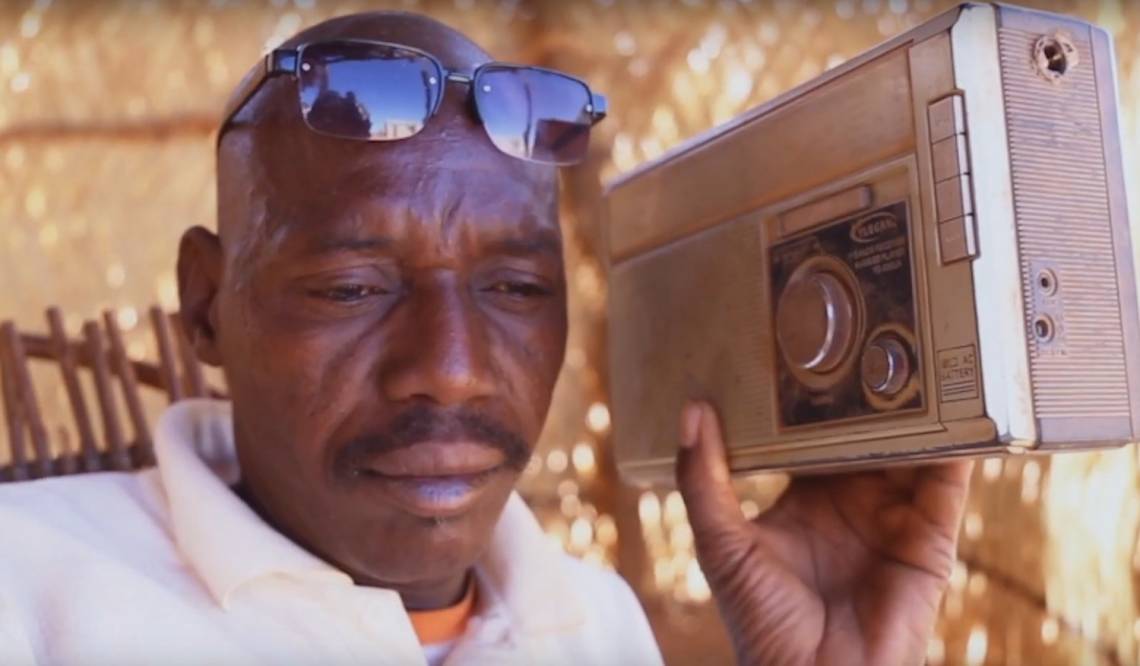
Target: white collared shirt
169	566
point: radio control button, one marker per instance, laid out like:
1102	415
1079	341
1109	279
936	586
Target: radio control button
885	366
947	117
953	198
956	240
948	158
815	322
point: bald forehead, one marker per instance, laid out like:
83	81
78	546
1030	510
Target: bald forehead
274	172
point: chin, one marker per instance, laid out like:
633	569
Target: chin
407	547
435	550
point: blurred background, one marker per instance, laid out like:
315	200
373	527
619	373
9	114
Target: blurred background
107	113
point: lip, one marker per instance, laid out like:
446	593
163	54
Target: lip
434	479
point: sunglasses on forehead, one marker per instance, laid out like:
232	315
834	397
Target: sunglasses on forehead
377	91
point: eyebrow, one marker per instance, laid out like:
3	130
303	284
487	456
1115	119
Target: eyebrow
541	243
545	242
337	244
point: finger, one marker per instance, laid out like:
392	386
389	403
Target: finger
902	476
940	492
703	475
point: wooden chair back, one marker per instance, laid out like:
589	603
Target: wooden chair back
100	353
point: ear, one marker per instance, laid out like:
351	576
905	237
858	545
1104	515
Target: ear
200	266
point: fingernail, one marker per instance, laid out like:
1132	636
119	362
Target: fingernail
692	425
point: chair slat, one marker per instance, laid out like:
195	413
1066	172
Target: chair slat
112	430
64	353
99	439
17	468
168	368
130	386
66	461
195	384
29	404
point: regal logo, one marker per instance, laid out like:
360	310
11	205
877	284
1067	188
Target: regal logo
874	227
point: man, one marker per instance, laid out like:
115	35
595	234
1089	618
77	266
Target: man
386	296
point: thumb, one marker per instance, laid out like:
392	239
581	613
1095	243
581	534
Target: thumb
703	476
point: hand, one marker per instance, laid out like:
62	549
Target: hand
844	569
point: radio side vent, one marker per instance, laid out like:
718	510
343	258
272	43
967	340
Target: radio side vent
1064	227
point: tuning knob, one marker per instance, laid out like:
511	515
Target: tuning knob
815	322
885	365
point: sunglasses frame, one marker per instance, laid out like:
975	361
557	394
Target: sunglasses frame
287	62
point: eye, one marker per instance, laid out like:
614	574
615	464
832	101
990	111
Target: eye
348	293
519	289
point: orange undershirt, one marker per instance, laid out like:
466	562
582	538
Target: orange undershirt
444	624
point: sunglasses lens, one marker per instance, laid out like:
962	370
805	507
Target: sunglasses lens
534	114
367	91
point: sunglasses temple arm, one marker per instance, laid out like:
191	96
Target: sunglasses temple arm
278	61
598	106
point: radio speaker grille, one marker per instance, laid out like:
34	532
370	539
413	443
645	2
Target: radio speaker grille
693	318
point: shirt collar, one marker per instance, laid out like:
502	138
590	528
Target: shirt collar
197	464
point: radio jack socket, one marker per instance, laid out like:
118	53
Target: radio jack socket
1047	282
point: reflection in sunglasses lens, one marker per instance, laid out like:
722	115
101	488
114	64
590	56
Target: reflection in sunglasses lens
534	114
367	91
382	92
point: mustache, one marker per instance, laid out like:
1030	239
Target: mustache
423	423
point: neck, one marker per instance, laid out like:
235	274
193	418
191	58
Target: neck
433	595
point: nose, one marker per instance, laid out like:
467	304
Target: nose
442	352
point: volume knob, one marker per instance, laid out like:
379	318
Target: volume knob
815	322
885	366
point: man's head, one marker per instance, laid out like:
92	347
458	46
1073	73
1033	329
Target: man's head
390	317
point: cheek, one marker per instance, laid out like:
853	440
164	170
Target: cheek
299	377
528	360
